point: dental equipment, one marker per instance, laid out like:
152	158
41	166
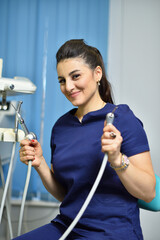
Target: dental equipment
7	203
6	186
6	190
13	86
109	119
30	136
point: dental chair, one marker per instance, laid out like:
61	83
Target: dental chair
154	205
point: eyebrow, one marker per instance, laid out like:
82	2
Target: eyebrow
59	77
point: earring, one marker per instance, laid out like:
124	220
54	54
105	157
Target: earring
99	83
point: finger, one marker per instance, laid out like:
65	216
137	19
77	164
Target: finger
107	135
26	148
105	141
111	144
111	128
24	142
25	159
27	153
110	148
28	142
34	142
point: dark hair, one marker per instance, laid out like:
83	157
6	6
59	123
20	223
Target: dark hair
91	55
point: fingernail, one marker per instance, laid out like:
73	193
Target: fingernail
32	140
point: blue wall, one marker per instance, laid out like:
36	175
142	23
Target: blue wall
31	31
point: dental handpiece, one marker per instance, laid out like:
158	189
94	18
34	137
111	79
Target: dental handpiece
29	135
110	120
22	123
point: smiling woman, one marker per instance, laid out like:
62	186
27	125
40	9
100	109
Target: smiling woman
79	140
79	84
82	77
88	57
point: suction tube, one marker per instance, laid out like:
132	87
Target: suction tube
6	190
30	136
24	197
109	119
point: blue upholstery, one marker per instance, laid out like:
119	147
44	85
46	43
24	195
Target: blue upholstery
154	205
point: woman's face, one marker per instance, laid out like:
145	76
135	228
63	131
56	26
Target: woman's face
78	82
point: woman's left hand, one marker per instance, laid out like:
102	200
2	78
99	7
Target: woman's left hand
140	166
111	141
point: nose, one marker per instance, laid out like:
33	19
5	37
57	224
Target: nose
69	85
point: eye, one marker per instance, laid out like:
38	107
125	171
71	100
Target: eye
75	76
62	81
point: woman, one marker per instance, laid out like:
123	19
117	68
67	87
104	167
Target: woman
78	142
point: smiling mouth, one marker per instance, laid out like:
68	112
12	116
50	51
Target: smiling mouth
74	94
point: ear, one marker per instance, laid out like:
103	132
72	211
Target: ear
98	73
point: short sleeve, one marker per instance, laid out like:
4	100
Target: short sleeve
131	128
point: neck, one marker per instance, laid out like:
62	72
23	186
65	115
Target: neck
83	110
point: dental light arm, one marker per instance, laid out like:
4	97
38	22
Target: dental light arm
109	119
13	86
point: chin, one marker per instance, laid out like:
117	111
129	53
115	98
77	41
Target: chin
77	103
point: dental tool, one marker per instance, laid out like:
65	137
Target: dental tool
30	136
109	119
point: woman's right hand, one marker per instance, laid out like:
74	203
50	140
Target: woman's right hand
31	150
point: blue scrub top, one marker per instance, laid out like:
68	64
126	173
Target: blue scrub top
76	157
